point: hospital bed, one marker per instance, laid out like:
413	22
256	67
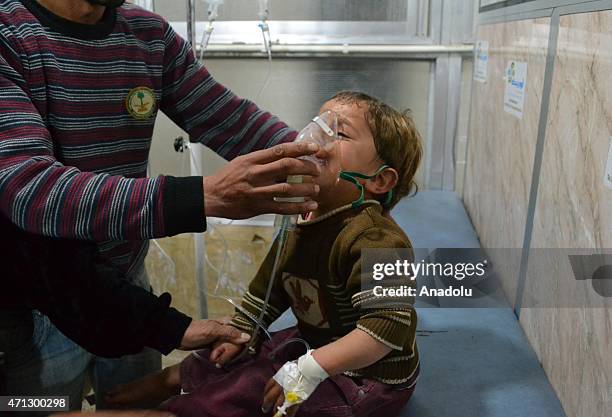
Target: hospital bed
475	362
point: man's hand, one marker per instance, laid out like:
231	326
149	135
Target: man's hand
223	352
246	187
201	333
274	397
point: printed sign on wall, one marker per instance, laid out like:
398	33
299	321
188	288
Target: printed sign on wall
608	171
481	61
516	81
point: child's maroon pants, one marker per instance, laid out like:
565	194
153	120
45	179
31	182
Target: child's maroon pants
238	390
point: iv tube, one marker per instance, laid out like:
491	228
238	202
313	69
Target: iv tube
282	235
281	238
267	43
263	10
323	130
213	7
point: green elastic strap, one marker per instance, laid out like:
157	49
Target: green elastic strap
352	178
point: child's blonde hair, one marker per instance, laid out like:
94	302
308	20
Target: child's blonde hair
397	140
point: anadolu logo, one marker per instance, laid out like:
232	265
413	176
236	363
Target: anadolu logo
140	102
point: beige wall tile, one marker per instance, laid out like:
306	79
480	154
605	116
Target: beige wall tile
573	210
501	146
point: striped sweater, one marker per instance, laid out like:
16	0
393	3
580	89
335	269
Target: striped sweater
77	108
320	278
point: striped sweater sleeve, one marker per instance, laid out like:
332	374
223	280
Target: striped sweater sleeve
41	195
208	111
390	320
253	301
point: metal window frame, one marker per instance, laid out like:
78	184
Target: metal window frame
423	30
445	96
499	4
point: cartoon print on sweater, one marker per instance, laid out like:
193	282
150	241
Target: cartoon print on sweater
306	300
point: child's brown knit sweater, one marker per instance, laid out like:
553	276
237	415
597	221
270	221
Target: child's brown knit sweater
319	277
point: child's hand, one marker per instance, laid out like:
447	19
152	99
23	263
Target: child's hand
274	397
223	352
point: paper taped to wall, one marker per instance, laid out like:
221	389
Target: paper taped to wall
516	81
482	61
608	171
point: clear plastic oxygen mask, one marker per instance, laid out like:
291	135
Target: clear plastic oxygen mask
322	130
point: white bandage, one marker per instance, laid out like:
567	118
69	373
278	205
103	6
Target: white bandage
299	380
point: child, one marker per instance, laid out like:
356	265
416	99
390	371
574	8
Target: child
365	361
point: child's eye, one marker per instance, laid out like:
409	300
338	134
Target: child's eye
343	135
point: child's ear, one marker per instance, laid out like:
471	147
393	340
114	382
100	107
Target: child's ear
383	183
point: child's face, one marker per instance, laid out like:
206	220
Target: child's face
357	153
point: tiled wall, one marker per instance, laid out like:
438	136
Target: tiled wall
574	210
572	339
501	146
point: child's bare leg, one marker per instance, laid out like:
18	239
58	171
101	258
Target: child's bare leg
147	392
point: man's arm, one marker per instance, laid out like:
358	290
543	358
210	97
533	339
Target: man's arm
116	318
91	302
41	195
211	113
233	127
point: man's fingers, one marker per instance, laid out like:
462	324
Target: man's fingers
205	332
281	169
217	344
232	334
284	150
288	190
324	153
